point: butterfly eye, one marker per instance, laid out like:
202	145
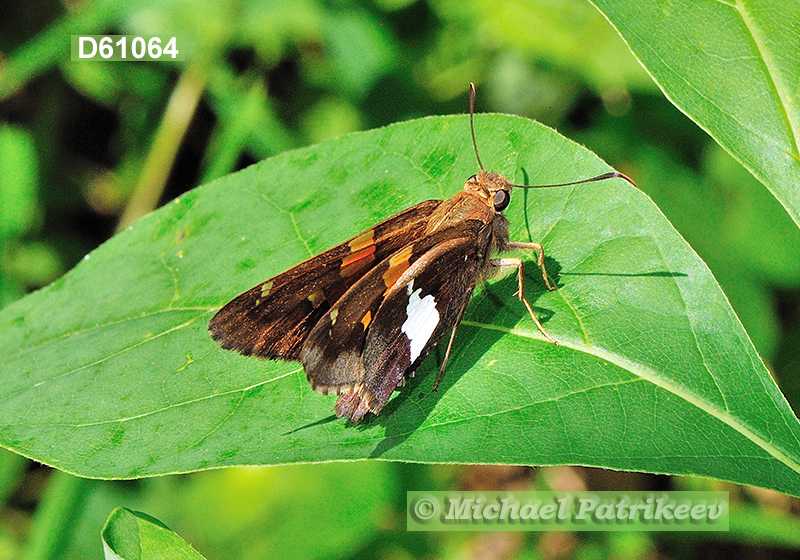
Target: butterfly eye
501	200
471	179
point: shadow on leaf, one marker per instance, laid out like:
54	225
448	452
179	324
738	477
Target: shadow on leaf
409	409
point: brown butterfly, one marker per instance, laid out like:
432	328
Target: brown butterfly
362	316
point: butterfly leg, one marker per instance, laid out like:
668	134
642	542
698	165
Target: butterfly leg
447	353
444	362
516	262
523	246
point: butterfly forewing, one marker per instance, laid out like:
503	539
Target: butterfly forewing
273	319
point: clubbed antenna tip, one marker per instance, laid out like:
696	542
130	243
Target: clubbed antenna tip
603	177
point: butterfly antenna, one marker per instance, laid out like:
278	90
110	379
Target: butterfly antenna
603	177
471	122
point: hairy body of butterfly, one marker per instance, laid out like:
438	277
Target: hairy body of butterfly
362	316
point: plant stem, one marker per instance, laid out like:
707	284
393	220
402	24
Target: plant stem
52	523
164	148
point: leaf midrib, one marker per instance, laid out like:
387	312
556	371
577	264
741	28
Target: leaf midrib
647	374
774	76
791	122
639	370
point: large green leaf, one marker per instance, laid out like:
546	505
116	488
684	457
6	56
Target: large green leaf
110	371
732	67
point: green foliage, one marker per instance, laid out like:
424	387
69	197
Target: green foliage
22	262
254	513
660	364
740	85
649	346
132	535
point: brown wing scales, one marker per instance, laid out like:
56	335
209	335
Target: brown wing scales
447	272
331	355
273	319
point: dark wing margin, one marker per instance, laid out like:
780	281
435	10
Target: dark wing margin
273	319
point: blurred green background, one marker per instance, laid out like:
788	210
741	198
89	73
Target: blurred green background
87	147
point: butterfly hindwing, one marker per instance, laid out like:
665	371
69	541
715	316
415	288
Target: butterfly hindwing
273	319
421	305
331	355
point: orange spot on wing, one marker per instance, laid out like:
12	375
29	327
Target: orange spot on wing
398	264
362	254
363	241
366	319
358	261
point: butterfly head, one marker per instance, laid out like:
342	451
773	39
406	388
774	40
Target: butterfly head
492	188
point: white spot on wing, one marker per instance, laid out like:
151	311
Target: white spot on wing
421	322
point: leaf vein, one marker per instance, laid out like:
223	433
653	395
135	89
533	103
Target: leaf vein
774	77
646	374
241	390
